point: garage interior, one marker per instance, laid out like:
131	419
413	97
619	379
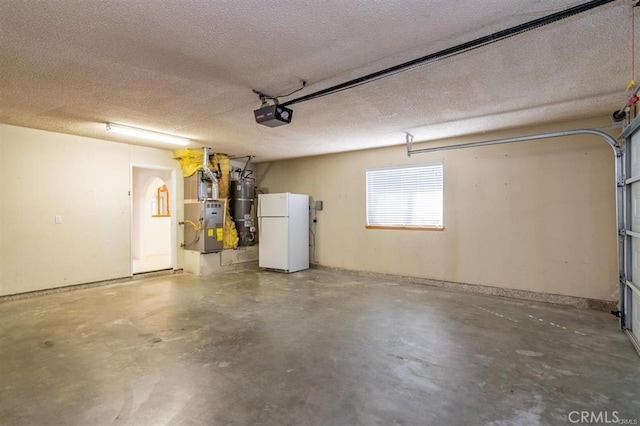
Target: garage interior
516	305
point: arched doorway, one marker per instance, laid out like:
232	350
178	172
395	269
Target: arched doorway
151	220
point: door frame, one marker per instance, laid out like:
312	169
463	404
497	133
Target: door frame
173	201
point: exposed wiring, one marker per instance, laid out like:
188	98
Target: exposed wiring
263	96
312	224
304	84
197	226
313	245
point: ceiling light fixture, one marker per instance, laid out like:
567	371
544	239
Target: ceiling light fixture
147	134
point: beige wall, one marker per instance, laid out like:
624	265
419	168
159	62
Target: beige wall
536	216
87	182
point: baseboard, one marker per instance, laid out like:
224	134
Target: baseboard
558	299
64	289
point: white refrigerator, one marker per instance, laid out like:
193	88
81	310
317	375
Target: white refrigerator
283	231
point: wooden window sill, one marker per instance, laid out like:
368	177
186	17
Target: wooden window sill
408	228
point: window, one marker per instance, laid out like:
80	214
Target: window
405	197
160	202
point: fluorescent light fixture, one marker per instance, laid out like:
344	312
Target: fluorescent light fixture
146	134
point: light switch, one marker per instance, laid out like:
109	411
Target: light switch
58	219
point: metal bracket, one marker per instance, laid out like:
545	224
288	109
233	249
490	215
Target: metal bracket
619	314
263	98
409	139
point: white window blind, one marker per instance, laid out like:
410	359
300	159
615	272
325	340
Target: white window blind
409	196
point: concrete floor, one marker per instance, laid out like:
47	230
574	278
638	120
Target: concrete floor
310	348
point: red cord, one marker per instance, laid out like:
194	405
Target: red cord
633	41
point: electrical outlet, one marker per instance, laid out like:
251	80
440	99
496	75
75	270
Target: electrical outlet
58	219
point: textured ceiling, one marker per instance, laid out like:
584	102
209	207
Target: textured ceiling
189	67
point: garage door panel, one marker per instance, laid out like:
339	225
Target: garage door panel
635	261
630	294
635	207
634	311
635	156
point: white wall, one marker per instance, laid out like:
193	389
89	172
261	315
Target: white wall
536	216
87	182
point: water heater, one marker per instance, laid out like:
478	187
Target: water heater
243	211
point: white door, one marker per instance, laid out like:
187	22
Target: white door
274	243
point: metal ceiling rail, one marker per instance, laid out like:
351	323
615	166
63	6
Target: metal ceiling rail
452	51
608	138
619	153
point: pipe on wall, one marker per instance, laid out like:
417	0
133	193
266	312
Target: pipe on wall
246	166
617	150
210	174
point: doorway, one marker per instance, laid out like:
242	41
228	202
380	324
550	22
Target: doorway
153	219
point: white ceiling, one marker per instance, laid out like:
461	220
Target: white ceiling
189	67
